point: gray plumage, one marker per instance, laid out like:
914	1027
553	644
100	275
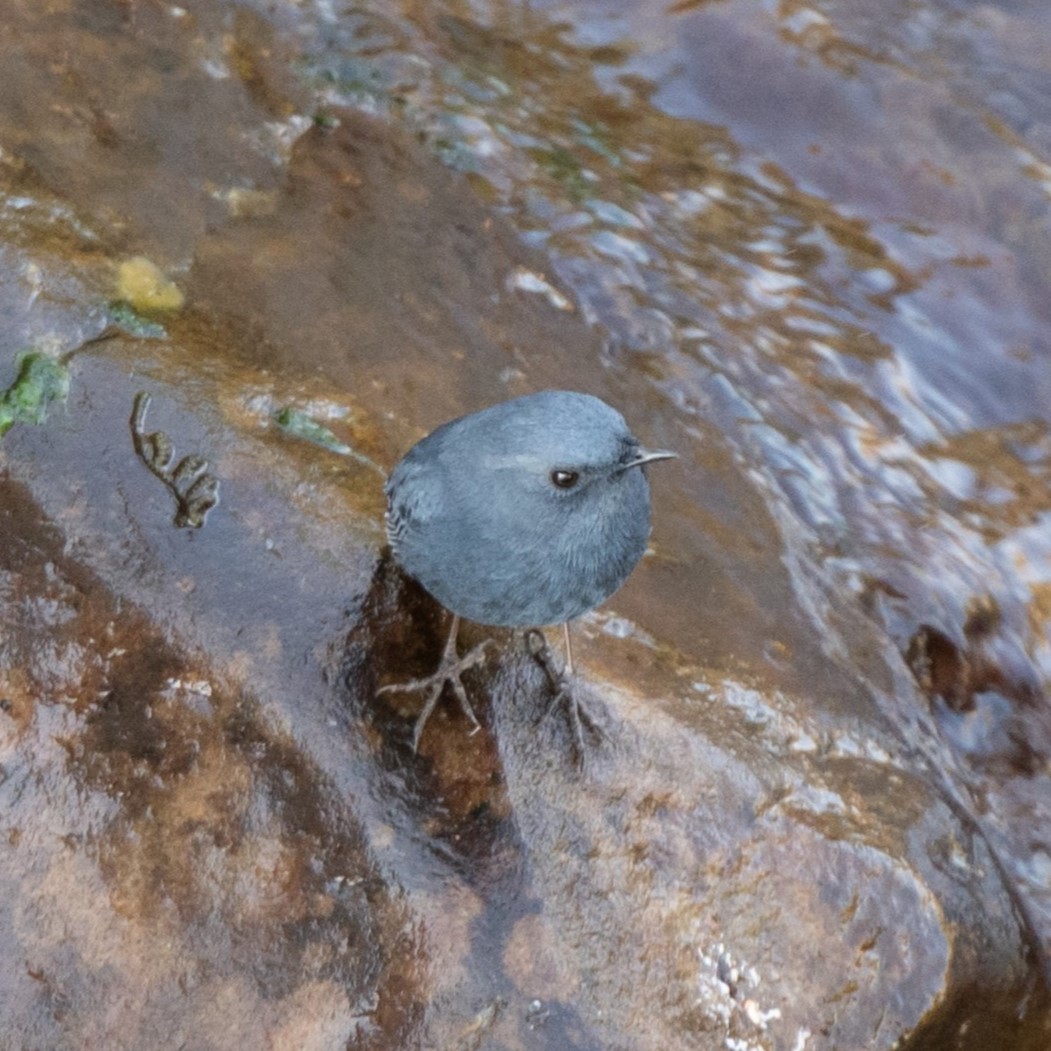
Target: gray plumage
527	513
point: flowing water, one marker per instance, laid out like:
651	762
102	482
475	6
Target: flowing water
815	243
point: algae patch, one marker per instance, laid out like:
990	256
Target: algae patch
126	318
41	382
300	424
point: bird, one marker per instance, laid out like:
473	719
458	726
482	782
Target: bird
525	514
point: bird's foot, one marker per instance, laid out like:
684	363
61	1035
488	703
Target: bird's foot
562	682
448	672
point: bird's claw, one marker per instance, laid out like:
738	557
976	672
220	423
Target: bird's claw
561	684
540	651
448	672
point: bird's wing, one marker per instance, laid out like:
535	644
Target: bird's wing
413	498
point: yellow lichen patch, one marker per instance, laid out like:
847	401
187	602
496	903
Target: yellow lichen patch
143	285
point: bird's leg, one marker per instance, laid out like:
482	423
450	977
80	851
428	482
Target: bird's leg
449	670
561	683
569	647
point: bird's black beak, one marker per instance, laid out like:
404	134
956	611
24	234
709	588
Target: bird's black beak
645	456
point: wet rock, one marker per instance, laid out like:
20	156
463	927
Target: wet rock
217	836
214	821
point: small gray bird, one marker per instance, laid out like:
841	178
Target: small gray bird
525	514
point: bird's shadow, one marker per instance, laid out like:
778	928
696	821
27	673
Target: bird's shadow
399	637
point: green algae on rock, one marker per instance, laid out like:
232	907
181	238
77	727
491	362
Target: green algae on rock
301	425
41	381
126	318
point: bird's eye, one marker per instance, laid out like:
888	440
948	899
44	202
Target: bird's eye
564	479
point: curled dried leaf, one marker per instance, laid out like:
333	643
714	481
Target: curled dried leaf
158	450
188	470
204	490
